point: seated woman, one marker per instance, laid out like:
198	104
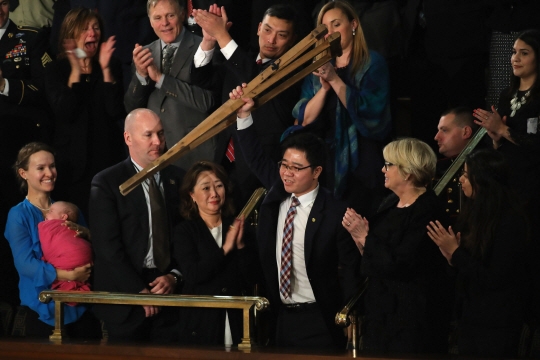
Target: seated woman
407	302
84	89
213	257
346	102
36	172
490	256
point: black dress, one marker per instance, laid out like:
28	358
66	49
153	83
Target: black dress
408	300
494	292
207	271
88	127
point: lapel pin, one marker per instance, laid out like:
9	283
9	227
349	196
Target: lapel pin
172	182
313	219
10	35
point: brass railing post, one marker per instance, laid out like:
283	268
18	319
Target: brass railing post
58	322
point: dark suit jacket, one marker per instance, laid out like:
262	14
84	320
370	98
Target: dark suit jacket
270	120
207	271
180	105
120	229
332	259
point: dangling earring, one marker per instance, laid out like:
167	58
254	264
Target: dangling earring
353	32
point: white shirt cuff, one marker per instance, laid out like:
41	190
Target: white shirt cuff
229	49
160	82
202	57
244	123
142	80
6	88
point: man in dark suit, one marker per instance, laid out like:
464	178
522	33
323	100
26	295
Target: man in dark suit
131	234
277	33
161	81
309	261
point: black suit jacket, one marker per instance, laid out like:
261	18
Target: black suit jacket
332	259
120	228
270	120
207	271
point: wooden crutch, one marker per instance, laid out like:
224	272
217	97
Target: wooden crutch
225	116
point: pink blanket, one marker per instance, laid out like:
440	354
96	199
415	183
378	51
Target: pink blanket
64	251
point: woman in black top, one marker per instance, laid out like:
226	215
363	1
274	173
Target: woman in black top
213	258
84	88
407	302
490	257
513	127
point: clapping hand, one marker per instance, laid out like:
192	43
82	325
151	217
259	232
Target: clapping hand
447	241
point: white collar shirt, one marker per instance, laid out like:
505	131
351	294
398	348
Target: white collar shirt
301	291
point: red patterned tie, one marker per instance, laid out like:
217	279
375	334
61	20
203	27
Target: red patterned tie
286	251
230	151
189	8
259	62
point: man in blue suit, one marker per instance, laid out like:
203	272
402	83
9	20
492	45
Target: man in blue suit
309	260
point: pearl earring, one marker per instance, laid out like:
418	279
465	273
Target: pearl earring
353	32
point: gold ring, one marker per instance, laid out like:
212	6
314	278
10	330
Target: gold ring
232	227
349	224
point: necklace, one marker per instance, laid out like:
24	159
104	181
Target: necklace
412	198
515	105
49	201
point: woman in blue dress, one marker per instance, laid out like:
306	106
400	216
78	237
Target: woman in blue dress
346	102
36	172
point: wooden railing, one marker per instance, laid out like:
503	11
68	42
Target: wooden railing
98	297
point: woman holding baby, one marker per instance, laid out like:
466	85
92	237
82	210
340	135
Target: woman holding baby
35	170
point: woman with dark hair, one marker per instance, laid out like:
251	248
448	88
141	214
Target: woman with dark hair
84	89
346	102
513	127
407	302
35	170
490	256
212	254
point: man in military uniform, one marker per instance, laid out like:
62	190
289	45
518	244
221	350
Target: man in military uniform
24	114
456	129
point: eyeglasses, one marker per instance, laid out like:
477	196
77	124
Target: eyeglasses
294	169
387	164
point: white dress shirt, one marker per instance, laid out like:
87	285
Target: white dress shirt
217	233
149	258
301	291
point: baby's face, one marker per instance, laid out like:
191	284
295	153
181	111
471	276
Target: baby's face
56	212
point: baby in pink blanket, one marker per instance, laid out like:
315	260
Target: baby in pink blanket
61	248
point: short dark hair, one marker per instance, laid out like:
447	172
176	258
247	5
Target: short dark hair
284	12
463	117
23	158
188	208
312	145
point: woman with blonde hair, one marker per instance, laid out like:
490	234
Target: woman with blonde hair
407	300
346	102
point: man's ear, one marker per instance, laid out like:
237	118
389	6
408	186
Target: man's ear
466	132
317	172
64	217
259	29
127	138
